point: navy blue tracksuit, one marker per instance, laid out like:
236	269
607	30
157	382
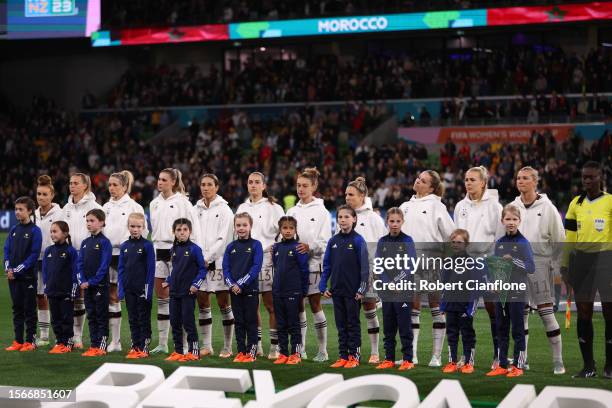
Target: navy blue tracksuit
94	261
346	264
511	313
397	316
59	272
459	306
289	287
21	251
136	271
188	269
242	262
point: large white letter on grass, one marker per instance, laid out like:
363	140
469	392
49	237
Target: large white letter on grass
297	396
202	387
569	397
140	378
385	387
447	394
519	397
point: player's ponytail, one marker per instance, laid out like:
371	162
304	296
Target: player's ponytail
126	179
45	181
312	174
436	182
85	179
177	178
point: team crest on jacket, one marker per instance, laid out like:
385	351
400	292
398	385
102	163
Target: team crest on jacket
290	253
600	224
139	250
186	253
26	235
350	246
62	255
97	246
248	249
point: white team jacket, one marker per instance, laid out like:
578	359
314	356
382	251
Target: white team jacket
216	228
482	220
314	229
44	223
74	215
369	224
117	213
163	214
426	219
541	224
265	220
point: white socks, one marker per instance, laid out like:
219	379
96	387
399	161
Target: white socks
321	330
44	321
526	328
303	328
373	329
228	327
163	320
205	321
79	320
438	330
416	328
114	321
552	332
273	340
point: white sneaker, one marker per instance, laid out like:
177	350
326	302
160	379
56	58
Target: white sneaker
303	355
113	347
558	368
42	342
274	353
415	360
259	350
162	348
436	361
321	357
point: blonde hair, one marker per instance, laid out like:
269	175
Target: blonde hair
360	185
137	216
177	177
244	215
436	182
312	174
460	232
126	178
45	181
512	209
534	173
85	179
394	211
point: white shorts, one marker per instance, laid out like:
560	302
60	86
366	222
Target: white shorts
314	279
266	275
40	286
214	282
162	269
540	283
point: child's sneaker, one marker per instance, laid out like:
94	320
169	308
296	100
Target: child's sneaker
385	365
89	353
497	371
406	365
27	346
467	369
341	362
57	349
514	372
239	357
14	346
133	353
99	352
352	362
282	359
248	358
294	359
174	357
450	368
189	357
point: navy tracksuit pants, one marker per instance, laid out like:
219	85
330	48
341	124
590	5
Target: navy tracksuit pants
23	296
245	308
460	324
96	304
287	310
397	316
346	314
182	317
139	316
505	315
62	319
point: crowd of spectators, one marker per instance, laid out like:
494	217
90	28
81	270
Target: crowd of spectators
48	140
516	71
141	13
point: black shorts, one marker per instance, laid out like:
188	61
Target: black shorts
163	255
591	273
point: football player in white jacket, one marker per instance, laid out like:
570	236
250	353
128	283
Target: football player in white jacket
543	227
314	230
265	213
117	210
430	225
46	214
371	227
480	214
170	205
80	201
215	218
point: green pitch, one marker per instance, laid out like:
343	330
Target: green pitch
39	369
